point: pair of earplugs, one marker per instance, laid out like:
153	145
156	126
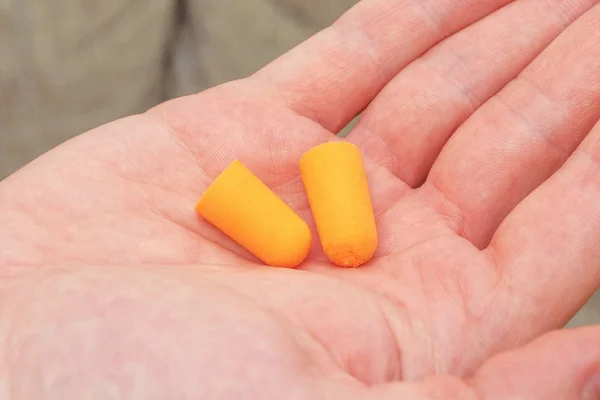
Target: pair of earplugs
334	177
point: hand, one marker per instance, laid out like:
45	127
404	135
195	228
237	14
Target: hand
483	161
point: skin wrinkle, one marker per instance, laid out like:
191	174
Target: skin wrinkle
335	358
365	42
457	223
38	245
567	8
387	149
237	251
178	139
437	363
385	317
277	316
464	90
506	326
432	350
429	322
364	129
191	198
527	121
368	48
591	156
532	128
308	111
380	213
404	190
397	373
436	20
175	134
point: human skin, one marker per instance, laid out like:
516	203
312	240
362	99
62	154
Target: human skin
483	161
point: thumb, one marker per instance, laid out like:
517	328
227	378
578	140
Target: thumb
560	365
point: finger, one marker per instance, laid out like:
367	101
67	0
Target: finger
333	76
414	115
547	250
525	133
561	365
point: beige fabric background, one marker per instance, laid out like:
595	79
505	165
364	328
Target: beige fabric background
69	65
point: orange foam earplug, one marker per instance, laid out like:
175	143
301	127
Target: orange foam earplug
338	192
247	211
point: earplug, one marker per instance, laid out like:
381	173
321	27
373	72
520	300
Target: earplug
247	211
336	183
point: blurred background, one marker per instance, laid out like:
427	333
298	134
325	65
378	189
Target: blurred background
67	66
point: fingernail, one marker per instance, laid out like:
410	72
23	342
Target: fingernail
591	390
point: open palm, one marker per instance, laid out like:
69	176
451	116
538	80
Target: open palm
483	164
